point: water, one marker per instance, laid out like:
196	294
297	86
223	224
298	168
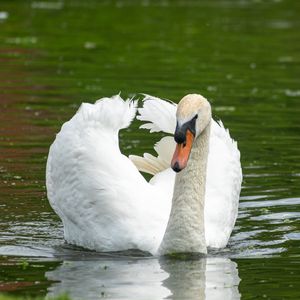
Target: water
242	55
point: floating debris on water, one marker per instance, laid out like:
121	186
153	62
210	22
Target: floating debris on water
224	108
211	88
3	15
285	59
47	5
292	93
89	45
25	40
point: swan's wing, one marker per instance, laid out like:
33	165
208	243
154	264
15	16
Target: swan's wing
102	199
160	115
223	185
154	164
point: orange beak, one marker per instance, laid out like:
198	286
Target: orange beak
182	153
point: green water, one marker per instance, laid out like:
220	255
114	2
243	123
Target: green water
244	56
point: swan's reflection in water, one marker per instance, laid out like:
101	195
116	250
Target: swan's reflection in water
210	279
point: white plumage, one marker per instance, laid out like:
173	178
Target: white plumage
106	204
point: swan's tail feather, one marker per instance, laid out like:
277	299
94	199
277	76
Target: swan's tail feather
153	165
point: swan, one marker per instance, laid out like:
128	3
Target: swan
104	202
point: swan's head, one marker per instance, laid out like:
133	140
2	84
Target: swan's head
193	115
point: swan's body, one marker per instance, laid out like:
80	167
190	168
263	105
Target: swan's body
107	205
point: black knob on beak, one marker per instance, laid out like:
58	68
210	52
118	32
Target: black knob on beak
180	134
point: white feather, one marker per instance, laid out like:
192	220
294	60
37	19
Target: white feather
106	204
151	164
223	185
161	115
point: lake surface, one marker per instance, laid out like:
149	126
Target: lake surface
244	56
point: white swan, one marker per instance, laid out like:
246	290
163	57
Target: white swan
106	204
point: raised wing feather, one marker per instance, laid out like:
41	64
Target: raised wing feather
160	114
90	183
223	184
154	164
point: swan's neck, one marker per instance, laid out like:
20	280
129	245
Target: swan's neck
185	230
